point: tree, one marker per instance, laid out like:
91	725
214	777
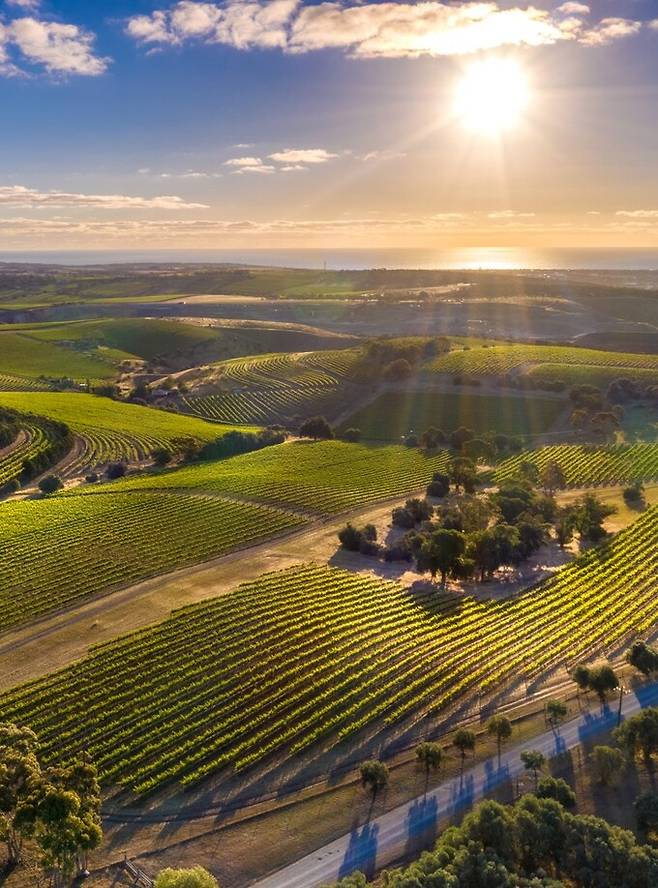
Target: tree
50	484
642	657
398	370
556	712
352	435
161	456
646	811
349	538
196	877
602	680
564	527
187	447
420	509
494	547
316	427
429	755
478	450
552	477
20	780
462	473
464	740
639	732
607	762
533	760
441	552
589	514
374	776
439	486
460	436
634	495
558	789
115	470
581	676
500	727
432	438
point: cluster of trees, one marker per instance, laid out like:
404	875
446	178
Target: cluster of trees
57	808
194	877
600	678
235	442
396	359
363	540
479	448
592	413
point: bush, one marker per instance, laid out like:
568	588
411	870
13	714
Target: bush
11	486
411	441
196	877
369	547
161	456
352	435
402	517
558	789
316	427
115	470
350	538
397	552
398	370
50	484
420	509
439	486
91	478
634	495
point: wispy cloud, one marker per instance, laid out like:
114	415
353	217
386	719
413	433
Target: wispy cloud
509	214
638	214
20	196
302	155
372	29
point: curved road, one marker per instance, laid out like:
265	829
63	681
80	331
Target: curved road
403	830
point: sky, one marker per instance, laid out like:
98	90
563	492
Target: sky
280	124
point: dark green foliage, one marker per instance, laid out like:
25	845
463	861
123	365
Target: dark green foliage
50	484
460	436
517	846
643	657
640	732
362	540
352	435
161	456
441	552
374	775
235	442
317	428
439	486
558	789
398	370
634	495
646	811
115	470
432	438
600	678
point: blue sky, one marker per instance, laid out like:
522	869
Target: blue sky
285	123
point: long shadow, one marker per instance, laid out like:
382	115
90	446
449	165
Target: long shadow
494	775
594	723
361	852
461	795
422	825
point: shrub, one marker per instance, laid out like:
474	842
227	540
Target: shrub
352	435
115	470
316	427
161	456
50	484
350	538
439	486
196	877
402	517
91	478
558	789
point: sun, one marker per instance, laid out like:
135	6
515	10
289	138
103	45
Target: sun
491	96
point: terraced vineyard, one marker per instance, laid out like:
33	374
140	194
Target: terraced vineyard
31	441
503	359
9	383
578	374
115	539
315	652
110	430
586	465
323	477
269	388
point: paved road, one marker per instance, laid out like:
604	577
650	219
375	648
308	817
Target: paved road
402	830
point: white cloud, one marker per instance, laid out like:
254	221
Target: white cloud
59	48
302	155
654	25
371	29
608	30
383	154
293	167
20	196
572	8
638	214
24	4
249	165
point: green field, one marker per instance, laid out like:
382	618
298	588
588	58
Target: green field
316	653
586	465
578	374
502	359
111	430
115	539
322	477
271	388
21	355
395	414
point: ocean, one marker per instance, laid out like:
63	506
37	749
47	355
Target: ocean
472	258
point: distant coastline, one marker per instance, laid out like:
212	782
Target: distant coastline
502	258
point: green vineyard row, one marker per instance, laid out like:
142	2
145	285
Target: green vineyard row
317	653
585	465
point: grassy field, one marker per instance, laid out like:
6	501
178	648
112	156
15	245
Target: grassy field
323	477
21	356
394	414
316	652
111	430
587	465
503	359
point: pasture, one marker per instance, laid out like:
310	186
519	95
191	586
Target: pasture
395	414
315	653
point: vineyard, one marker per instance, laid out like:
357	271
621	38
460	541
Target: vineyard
315	653
579	374
322	477
32	440
585	465
115	539
9	383
503	359
270	388
110	430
